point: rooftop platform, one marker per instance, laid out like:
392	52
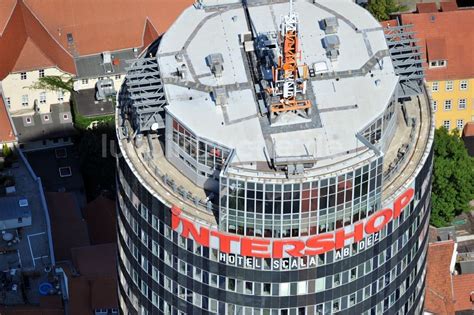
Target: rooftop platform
31	253
347	94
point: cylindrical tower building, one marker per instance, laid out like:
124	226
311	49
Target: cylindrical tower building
275	158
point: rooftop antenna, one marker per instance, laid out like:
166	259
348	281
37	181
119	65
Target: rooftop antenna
289	77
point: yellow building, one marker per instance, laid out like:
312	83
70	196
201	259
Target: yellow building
453	102
446	40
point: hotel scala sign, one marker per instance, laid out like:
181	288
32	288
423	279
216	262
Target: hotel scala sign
289	247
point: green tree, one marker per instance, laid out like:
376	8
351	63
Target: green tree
453	178
63	83
96	160
381	9
6	151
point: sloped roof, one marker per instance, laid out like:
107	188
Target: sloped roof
68	229
23	25
448	6
91	26
6	8
463	289
426	7
96	261
468	130
456	29
97	212
439	294
6	131
98	26
31	57
436	48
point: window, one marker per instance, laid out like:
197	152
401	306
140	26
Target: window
28	120
460	124
463	85
24	100
447	124
449	85
117	77
46	118
462	103
434	104
447	104
435	86
65	116
8	102
43	98
41	73
85	81
23	75
60	96
65	172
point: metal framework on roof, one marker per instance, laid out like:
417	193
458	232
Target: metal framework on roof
146	98
406	58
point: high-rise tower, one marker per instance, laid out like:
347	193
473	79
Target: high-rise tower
276	159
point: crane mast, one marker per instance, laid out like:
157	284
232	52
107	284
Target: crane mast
289	77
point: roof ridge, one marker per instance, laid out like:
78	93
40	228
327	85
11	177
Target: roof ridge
9	18
29	38
45	28
147	20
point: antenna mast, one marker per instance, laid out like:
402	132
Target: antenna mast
289	77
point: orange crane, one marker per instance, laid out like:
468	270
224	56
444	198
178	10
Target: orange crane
287	81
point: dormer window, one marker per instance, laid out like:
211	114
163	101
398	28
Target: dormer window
438	63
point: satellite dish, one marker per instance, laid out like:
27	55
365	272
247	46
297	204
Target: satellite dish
154	126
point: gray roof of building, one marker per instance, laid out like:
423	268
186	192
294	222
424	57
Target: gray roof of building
55	124
363	75
11	208
92	66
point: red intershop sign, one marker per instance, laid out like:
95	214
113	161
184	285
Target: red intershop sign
292	247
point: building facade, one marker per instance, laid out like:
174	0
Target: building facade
446	43
249	183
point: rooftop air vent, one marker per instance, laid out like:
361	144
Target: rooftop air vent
330	25
216	63
220	96
331	44
23	203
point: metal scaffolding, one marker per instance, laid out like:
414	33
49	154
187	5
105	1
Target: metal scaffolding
145	96
406	58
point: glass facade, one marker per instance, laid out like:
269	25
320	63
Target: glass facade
161	272
299	209
202	151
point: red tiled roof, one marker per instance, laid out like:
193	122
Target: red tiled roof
6	130
104	293
95	26
456	29
23	25
449	6
468	130
463	290
97	212
389	23
99	26
439	294
31	57
68	228
98	265
436	48
426	7
95	261
79	296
